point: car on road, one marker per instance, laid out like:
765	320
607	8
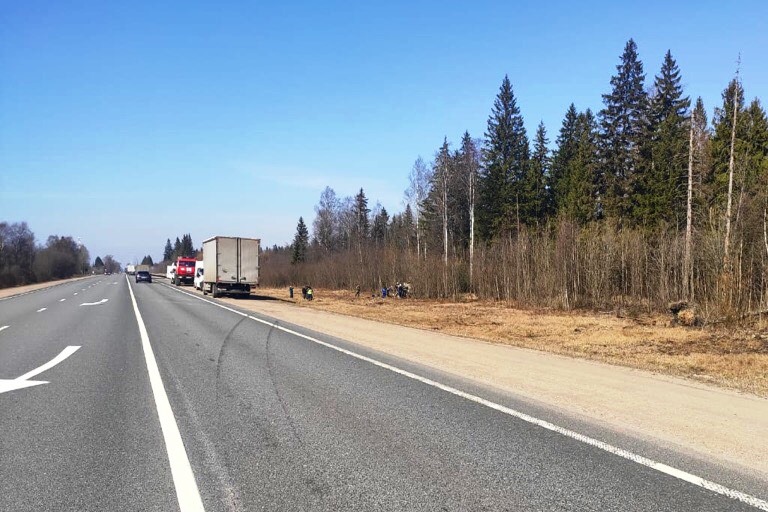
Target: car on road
143	275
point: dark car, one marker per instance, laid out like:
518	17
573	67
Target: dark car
143	275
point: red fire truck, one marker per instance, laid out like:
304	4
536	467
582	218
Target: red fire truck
185	271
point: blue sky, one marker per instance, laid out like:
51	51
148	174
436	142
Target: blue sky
128	123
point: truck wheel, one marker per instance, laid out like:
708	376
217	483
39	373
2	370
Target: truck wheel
214	290
202	288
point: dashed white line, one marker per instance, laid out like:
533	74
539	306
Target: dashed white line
74	293
187	492
62	300
4	327
41	310
639	459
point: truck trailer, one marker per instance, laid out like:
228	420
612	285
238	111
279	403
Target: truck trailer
231	265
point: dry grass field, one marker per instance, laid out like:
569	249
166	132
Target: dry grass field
733	358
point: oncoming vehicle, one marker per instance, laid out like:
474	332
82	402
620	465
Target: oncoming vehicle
143	275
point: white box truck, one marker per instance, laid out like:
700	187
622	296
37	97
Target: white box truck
231	265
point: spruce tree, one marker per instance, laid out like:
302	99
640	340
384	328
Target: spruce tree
580	202
98	262
661	190
623	127
506	155
300	243
168	250
722	122
534	191
380	226
567	141
176	249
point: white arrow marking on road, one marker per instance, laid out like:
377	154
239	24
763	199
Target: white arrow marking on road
4	327
102	301
41	310
24	382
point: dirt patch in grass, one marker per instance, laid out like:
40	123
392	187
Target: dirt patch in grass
733	358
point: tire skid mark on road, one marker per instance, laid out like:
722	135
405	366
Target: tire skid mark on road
745	498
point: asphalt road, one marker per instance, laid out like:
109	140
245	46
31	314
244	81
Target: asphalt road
270	419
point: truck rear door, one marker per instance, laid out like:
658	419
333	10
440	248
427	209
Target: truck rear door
249	261
227	260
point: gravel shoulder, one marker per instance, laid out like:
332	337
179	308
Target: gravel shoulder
707	421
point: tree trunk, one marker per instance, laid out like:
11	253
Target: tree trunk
471	230
687	268
727	243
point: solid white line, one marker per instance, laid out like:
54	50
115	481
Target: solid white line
183	478
41	310
4	327
50	364
639	459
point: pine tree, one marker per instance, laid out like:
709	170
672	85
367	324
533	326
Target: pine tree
567	140
506	156
300	243
534	191
147	260
623	124
168	251
98	262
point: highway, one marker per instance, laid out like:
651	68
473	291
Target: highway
175	402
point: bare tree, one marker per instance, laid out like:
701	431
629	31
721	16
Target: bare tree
416	193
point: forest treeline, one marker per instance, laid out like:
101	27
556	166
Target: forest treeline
639	204
23	261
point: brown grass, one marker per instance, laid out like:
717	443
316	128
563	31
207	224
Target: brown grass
736	359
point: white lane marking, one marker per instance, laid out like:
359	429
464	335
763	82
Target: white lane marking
62	300
50	364
24	382
4	327
639	459
187	493
41	310
102	301
74	293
